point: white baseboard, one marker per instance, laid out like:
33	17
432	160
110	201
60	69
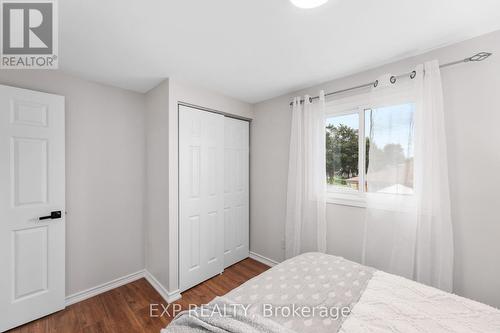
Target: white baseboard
168	296
262	259
91	292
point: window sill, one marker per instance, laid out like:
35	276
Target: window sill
346	199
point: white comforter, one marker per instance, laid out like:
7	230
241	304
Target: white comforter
394	304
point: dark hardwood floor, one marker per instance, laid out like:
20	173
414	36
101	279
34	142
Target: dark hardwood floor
127	308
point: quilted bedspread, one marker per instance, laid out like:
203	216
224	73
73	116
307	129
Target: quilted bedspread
309	282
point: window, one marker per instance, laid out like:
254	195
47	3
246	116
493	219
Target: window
370	150
342	151
389	149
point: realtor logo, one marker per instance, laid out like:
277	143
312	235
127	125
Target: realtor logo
29	34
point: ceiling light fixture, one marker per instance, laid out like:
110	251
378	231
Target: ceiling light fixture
308	3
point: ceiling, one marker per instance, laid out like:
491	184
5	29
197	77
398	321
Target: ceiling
255	49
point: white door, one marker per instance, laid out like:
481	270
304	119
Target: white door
236	190
201	196
32	185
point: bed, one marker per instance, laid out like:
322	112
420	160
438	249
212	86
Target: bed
318	293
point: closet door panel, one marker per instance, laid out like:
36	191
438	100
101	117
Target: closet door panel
201	196
236	190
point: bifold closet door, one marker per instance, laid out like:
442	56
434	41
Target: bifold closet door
201	196
236	190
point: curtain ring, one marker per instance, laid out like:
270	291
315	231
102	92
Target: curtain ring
375	84
310	99
393	79
413	74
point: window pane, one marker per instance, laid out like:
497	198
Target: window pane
342	141
389	149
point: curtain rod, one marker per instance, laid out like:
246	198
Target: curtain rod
477	57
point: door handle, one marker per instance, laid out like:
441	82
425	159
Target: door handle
53	216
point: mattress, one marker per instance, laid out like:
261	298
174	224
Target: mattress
318	293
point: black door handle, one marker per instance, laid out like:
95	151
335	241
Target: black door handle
53	216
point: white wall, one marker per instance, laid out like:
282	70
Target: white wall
157	189
105	153
472	112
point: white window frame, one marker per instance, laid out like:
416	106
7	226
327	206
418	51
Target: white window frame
351	105
346	106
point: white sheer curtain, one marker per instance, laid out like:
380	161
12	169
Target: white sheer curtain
408	227
434	248
305	211
390	206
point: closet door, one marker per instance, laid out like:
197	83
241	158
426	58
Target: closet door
201	195
236	190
